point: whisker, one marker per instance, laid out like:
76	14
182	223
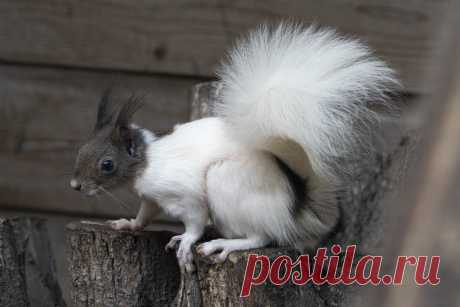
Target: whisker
119	201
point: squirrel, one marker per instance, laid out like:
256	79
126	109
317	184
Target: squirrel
296	103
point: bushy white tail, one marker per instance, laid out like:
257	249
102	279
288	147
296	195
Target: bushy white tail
293	85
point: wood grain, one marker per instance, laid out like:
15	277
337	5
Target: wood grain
12	268
190	37
33	242
45	114
119	268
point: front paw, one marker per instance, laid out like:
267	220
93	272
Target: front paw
124	224
185	258
173	242
184	254
208	249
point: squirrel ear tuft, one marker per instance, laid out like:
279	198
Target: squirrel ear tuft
105	113
127	111
122	132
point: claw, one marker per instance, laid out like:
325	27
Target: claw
173	243
199	250
208	249
189	267
184	251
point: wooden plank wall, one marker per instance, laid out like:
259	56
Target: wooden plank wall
56	57
429	194
47	113
189	37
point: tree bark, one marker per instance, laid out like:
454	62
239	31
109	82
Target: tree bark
27	264
32	238
204	97
221	283
118	268
13	285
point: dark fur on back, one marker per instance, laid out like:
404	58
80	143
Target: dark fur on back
299	186
302	195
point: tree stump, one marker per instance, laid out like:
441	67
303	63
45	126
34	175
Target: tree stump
27	264
12	268
203	98
118	268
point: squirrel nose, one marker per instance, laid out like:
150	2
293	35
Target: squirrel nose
75	184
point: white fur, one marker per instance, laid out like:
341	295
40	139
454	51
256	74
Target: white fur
297	93
307	85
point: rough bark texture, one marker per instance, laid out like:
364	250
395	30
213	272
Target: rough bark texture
359	224
221	283
189	293
204	96
12	268
114	268
40	266
28	273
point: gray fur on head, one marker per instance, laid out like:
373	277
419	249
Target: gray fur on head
116	150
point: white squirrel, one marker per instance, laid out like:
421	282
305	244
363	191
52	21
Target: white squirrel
296	103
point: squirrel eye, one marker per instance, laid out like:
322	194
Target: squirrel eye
107	166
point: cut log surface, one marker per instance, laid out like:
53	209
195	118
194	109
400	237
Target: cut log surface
115	268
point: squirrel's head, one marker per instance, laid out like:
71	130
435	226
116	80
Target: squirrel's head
116	150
